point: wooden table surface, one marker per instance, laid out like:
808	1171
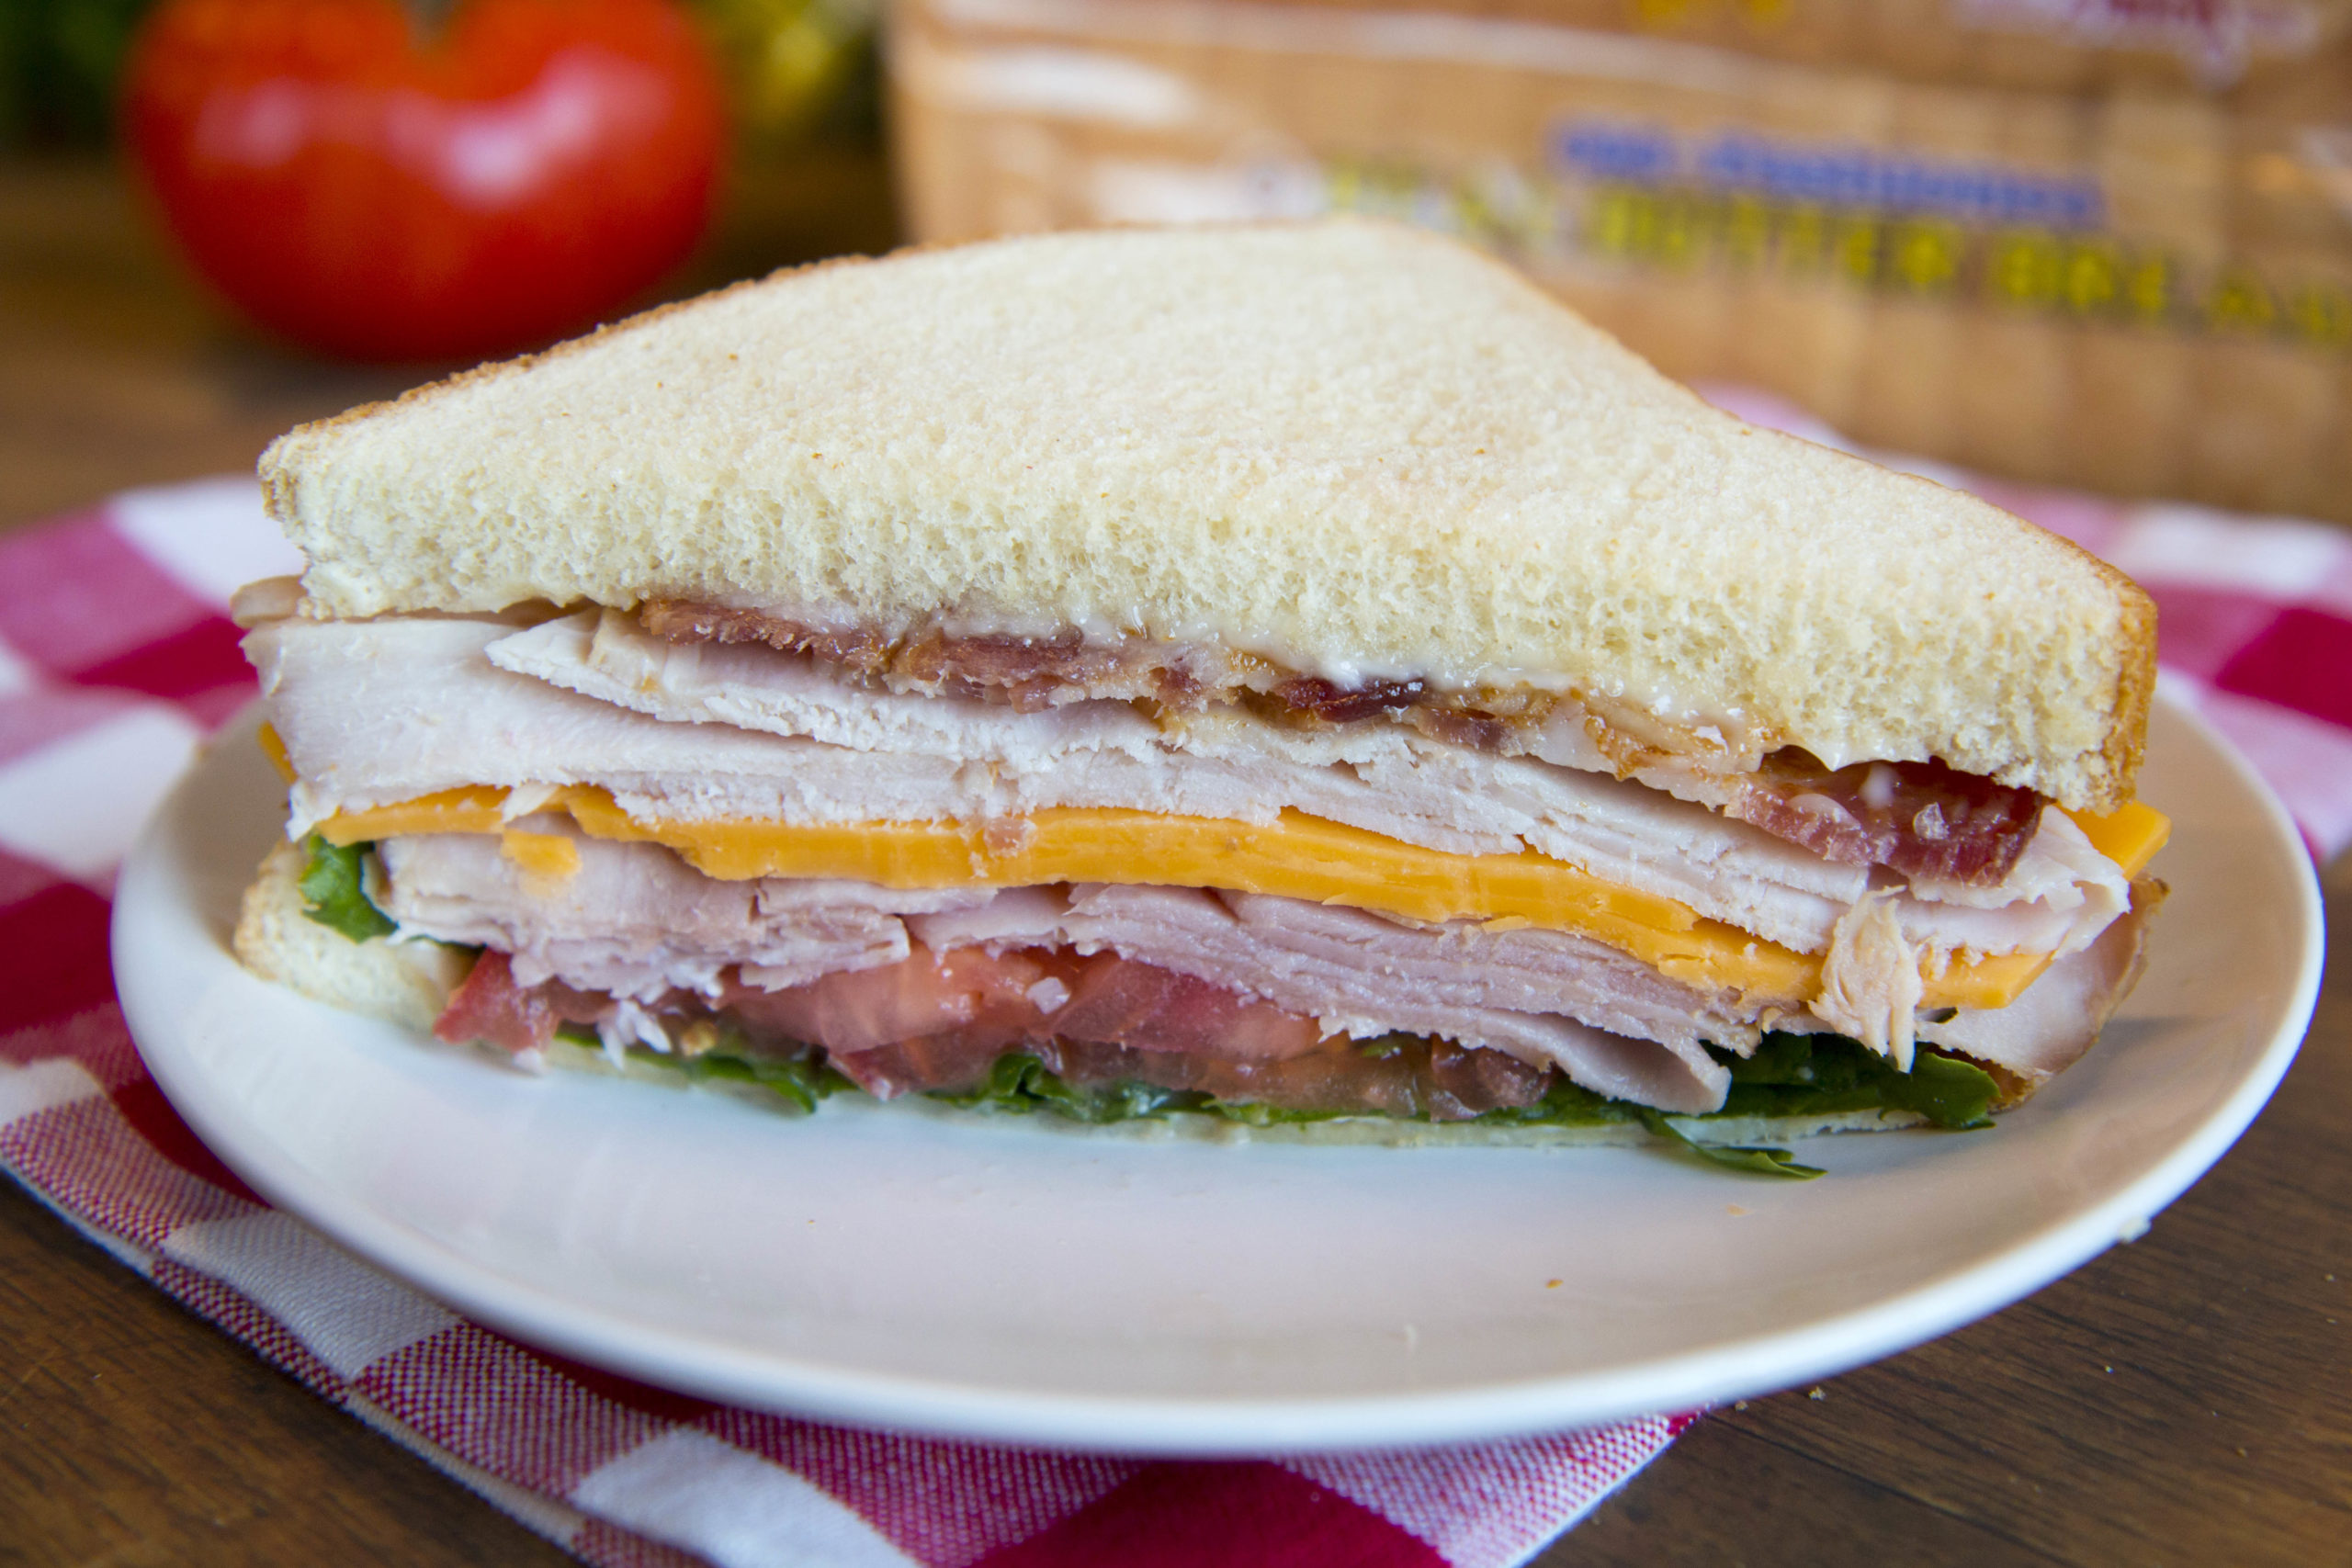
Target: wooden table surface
2186	1399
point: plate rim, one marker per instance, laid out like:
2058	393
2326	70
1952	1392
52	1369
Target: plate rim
707	1367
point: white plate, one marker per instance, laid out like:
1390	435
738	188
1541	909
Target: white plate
1026	1284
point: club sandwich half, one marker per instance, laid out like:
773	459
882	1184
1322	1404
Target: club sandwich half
1285	675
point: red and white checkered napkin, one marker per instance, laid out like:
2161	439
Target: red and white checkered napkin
115	658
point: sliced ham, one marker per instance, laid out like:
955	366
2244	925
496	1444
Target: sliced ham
2049	1028
637	921
1239	986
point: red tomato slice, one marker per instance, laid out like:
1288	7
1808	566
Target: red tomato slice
533	167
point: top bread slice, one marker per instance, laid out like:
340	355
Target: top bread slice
1357	449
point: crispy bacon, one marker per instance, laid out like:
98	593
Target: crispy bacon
1348	704
1466	727
1921	818
858	652
1027	673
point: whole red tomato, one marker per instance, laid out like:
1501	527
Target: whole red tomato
380	192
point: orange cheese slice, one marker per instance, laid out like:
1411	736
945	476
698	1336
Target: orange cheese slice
2130	837
1296	857
549	859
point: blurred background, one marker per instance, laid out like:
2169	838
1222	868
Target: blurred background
2103	244
123	358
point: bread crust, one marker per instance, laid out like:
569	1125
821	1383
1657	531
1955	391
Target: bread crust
275	466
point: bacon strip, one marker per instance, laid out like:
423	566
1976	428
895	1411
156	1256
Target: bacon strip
1027	673
1920	819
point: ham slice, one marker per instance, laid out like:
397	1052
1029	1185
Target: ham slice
2049	1028
1546	998
637	924
1249	983
637	921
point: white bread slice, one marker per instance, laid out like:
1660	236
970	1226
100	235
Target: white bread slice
1360	450
407	983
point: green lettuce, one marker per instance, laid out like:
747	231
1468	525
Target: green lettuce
334	892
1564	1104
801	1081
1806	1075
1023	1085
1755	1161
1789	1075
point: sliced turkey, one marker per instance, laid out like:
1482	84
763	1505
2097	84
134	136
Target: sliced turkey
373	713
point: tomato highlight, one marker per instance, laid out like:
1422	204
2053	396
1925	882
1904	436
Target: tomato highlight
379	190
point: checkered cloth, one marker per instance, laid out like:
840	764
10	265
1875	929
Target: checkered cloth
115	658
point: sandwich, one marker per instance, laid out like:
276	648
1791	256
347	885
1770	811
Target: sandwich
1286	676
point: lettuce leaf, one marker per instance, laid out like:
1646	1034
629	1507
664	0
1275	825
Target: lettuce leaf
1022	1085
334	892
801	1081
1564	1104
1755	1161
1789	1075
1802	1075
